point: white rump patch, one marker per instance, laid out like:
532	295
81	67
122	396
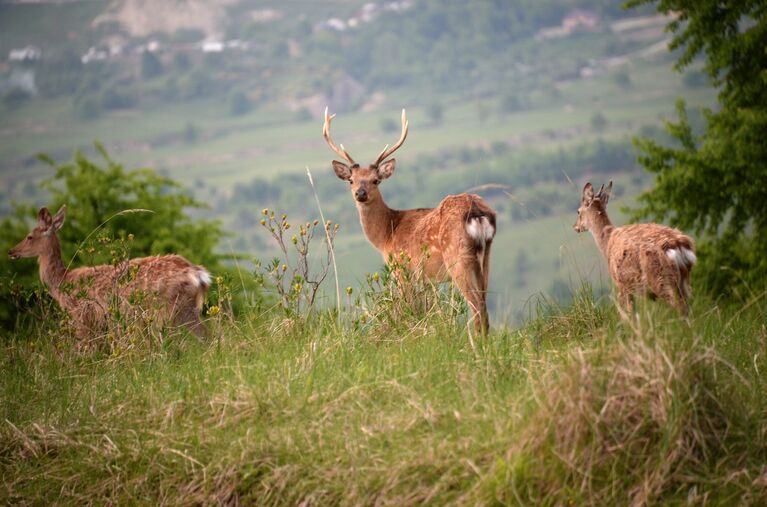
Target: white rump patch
683	257
673	254
480	229
689	256
200	277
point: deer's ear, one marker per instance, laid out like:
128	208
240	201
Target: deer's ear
44	219
605	194
386	169
342	170
58	220
588	194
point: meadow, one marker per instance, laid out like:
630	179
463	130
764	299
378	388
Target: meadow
574	407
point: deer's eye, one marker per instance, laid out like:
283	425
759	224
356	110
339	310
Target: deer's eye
376	182
29	237
351	182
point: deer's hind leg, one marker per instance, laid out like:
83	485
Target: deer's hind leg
486	268
684	291
625	303
195	324
187	314
468	276
669	285
675	295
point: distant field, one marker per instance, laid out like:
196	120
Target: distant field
269	141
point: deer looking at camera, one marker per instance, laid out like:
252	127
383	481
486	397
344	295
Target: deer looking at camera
451	241
642	258
174	286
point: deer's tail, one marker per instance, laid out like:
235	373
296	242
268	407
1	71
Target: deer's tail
200	279
480	226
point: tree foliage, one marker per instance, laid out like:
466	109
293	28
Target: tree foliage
100	198
715	183
150	65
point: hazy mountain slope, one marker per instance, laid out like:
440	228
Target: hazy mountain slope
144	17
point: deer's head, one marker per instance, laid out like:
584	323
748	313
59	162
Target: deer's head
41	239
364	180
591	205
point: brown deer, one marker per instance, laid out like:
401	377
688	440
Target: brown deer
175	286
642	258
451	241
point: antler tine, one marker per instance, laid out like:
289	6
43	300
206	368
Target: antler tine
387	152
326	134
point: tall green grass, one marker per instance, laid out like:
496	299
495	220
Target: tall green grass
576	407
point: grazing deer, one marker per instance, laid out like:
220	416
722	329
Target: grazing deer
174	285
642	258
451	241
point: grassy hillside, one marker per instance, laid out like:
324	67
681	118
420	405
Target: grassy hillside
574	408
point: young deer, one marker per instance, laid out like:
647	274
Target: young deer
642	258
175	286
451	241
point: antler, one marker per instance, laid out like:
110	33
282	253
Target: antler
387	152
326	134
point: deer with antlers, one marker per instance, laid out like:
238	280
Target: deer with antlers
642	258
174	286
449	242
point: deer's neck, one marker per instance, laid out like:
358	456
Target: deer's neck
52	270
601	228
377	221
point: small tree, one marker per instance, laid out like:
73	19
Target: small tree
511	102
181	62
598	122
623	79
239	104
388	125
435	112
715	184
191	133
150	65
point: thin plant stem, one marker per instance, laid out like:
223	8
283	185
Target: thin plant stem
330	244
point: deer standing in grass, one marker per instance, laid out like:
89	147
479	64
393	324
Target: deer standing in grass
642	258
174	286
451	241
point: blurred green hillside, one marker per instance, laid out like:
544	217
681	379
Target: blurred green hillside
521	101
